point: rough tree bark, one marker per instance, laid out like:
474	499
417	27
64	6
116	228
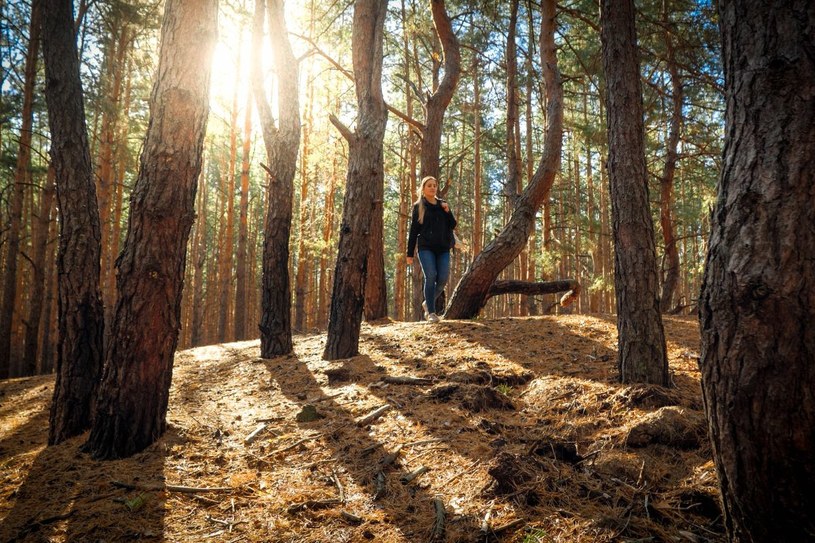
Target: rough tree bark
641	338
80	315
21	174
757	306
376	289
472	291
365	171
135	386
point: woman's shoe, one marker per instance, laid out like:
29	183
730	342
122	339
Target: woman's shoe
424	308
433	318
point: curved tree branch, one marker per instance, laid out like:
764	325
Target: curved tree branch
471	292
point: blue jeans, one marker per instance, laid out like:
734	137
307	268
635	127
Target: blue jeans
436	269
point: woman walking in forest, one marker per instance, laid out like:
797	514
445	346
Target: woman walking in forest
431	228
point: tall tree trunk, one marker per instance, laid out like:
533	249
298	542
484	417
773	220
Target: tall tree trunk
605	227
478	221
46	359
641	338
21	175
135	386
757	306
365	172
577	205
438	101
590	212
198	260
241	306
303	250
37	289
513	184
531	273
80	314
400	271
400	291
225	322
281	151
671	266
471	293
123	161
376	290
328	231
115	59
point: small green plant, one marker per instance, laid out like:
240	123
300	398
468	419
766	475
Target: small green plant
536	535
134	504
504	389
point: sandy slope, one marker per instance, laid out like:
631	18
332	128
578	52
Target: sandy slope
522	429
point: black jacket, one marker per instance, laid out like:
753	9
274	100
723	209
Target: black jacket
435	232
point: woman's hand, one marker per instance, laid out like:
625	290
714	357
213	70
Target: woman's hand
445	207
409	261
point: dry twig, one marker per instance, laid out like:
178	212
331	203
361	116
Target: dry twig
413	474
251	437
407	380
158	487
312	504
373	415
336	479
438	526
293	445
379	489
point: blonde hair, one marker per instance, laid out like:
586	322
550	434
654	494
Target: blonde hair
420	200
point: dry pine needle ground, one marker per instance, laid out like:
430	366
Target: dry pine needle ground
516	430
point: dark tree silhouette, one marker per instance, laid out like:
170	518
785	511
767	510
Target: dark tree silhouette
641	337
135	387
282	144
365	171
757	306
80	315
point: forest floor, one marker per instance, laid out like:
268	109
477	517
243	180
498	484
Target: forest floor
520	432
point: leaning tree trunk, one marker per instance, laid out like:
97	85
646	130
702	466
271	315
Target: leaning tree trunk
473	290
80	315
365	171
757	306
281	152
135	387
641	338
